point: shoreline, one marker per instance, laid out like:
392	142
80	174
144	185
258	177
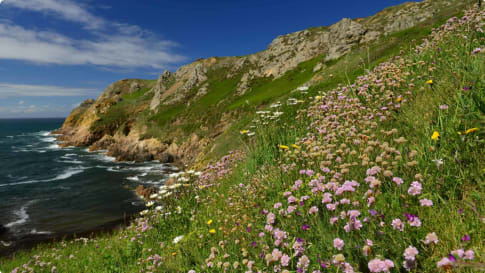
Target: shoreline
31	241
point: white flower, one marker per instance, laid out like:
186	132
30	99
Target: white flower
144	212
198	173
302	88
158	208
177	239
179	210
153	196
251	134
149	204
438	162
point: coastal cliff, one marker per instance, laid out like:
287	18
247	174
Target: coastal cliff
187	114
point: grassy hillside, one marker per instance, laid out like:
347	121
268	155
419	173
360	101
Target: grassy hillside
384	173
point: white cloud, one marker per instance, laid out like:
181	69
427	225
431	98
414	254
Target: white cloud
114	44
21	102
25	90
66	9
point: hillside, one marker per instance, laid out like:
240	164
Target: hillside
192	114
377	169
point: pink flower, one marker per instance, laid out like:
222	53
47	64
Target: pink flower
443	107
285	260
277	205
333	220
327	198
426	203
415	188
410	253
277	254
331	207
445	262
313	210
397	180
469	255
377	265
270	218
338	243
397	224
431	238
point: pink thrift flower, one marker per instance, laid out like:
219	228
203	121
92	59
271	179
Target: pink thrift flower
397	180
313	210
397	224
431	238
285	260
469	255
415	188
426	203
445	262
410	253
338	243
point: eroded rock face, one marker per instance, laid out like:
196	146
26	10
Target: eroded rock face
162	85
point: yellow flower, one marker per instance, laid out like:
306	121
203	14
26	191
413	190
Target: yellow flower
212	231
284	147
244	132
435	135
471	131
209	222
318	97
295	146
430	82
174	253
399	99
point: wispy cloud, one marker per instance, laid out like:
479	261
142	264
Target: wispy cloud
113	44
68	10
25	90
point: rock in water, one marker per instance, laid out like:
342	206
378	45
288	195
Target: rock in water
3	230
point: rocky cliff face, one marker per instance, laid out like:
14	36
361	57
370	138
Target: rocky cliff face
124	130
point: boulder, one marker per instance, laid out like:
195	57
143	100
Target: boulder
145	192
3	229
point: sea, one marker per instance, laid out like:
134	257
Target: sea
48	192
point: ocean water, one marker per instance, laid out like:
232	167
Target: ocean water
47	191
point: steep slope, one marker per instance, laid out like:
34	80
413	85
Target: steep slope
186	115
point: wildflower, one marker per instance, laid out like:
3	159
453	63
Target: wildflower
285	260
445	262
149	204
177	239
313	210
415	188
212	231
377	265
426	203
469	131
438	162
466	238
174	253
477	50
410	253
398	224
338	243
284	147
469	255
435	135
305	227
243	132
430	82
443	107
209	222
397	180
431	238
295	146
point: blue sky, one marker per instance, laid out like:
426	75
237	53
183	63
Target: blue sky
56	53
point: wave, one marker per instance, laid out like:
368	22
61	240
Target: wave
34	231
65	175
133	178
49	139
21	214
54	147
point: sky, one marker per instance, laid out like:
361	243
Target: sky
56	53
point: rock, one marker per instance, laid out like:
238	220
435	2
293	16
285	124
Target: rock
3	230
161	86
145	192
135	86
317	67
166	158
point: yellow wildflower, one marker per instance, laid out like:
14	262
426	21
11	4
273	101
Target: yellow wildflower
318	97
399	99
295	146
469	131
212	231
244	132
435	135
209	222
430	82
174	253
284	147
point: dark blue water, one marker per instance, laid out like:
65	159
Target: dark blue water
48	190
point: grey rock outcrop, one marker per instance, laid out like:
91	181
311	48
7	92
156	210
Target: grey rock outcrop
161	86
